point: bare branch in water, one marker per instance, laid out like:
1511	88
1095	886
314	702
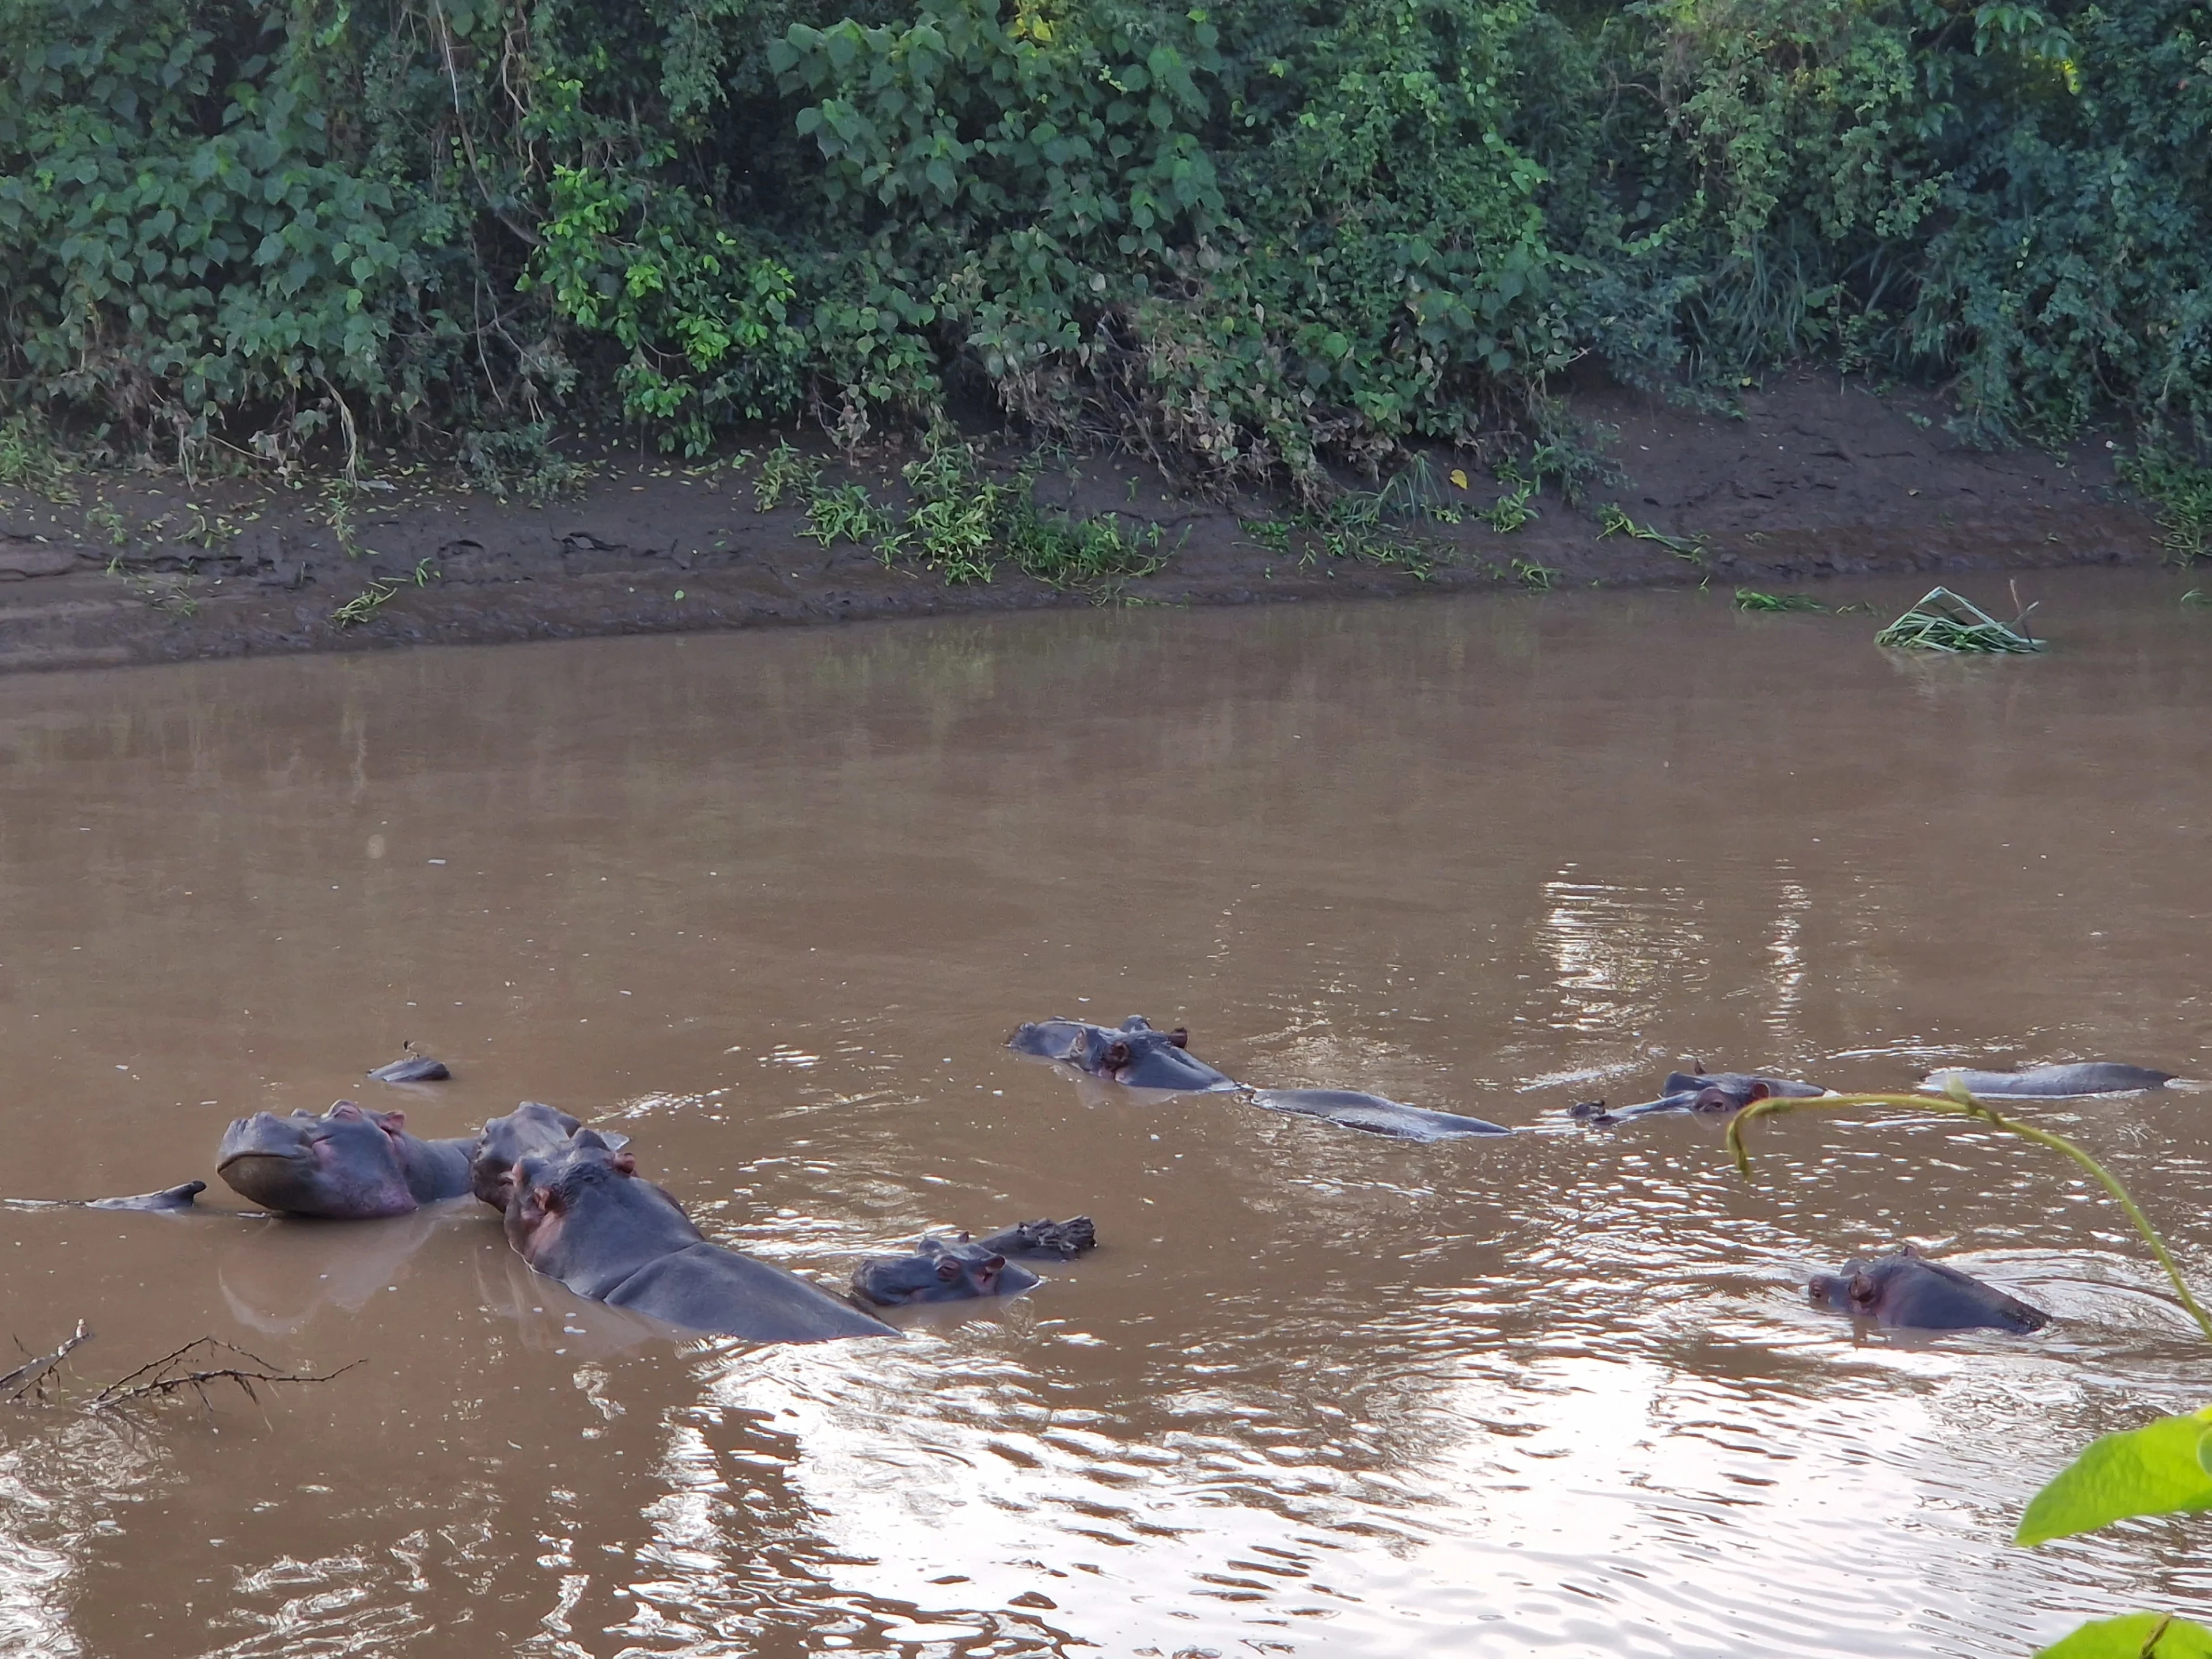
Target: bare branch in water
30	1377
1955	1102
175	1372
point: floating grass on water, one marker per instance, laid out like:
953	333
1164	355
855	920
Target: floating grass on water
1941	621
1750	598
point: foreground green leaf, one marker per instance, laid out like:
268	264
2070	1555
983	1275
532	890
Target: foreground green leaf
2135	1636
2155	1470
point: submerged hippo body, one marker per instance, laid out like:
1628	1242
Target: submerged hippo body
1375	1115
1714	1093
1132	1053
168	1200
941	1270
580	1214
413	1068
348	1164
2101	1077
1906	1290
1060	1241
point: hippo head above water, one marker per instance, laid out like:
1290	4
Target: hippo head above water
1906	1290
530	1128
941	1270
348	1164
1132	1053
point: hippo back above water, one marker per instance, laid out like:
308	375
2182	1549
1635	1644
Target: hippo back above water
1906	1290
2097	1077
1132	1053
578	1213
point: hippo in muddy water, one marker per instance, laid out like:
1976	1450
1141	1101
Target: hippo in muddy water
955	1270
1137	1056
412	1068
531	1127
1060	1241
1905	1291
2101	1077
1350	1109
348	1164
941	1270
578	1213
1708	1093
168	1200
1132	1053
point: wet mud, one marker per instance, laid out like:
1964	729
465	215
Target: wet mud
1817	479
770	904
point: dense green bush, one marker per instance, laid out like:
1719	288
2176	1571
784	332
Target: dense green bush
1251	239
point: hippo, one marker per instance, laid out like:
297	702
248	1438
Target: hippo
578	1213
531	1127
1137	1056
1061	1241
1714	1094
412	1068
2101	1077
1375	1115
167	1200
1906	1290
1132	1053
941	1270
348	1164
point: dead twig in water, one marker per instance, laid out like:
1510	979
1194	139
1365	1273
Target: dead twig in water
30	1376
163	1377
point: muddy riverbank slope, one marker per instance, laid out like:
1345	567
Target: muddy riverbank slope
1816	478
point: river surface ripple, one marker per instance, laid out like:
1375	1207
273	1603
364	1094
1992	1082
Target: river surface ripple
771	904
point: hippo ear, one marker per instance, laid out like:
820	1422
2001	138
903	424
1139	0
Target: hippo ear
948	1268
622	1163
1757	1091
1180	1036
392	1123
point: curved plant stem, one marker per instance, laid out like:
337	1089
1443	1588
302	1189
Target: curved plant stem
1964	1105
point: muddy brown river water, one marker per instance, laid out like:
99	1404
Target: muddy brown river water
770	904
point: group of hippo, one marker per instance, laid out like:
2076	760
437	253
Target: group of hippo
576	1209
1901	1289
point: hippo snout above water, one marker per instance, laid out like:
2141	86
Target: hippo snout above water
1132	1053
2101	1077
348	1164
532	1127
1906	1290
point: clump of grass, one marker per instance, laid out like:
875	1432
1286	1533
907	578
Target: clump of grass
1612	521
1941	621
2182	491
1536	578
520	460
1094	554
784	472
1750	598
844	513
2196	600
31	459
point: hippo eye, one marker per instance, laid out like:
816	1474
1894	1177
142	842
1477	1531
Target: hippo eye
1118	1054
947	1269
1180	1036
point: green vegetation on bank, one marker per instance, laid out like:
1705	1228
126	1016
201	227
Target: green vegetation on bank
1249	238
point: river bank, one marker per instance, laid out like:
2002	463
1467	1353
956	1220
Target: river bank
1814	479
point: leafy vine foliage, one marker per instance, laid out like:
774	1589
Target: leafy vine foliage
1253	238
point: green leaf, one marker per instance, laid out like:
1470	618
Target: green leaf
2134	1635
2155	1470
